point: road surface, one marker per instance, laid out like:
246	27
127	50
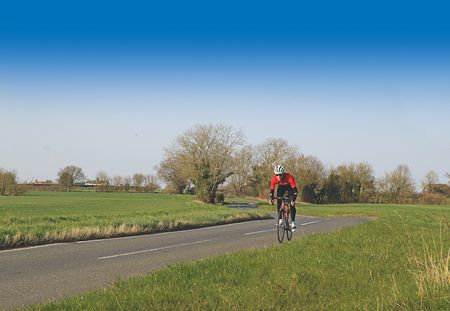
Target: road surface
38	274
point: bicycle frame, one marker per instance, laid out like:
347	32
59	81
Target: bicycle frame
285	216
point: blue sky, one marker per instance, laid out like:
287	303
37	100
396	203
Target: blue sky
108	85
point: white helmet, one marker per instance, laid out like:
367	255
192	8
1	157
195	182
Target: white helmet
278	170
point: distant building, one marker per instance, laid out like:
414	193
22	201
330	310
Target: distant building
91	184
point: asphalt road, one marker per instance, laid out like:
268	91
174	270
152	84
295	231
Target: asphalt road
38	274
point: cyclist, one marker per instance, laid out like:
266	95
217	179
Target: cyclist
285	182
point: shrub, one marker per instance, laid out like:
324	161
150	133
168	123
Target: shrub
432	198
8	183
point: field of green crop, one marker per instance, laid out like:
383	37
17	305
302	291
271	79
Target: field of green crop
46	217
397	261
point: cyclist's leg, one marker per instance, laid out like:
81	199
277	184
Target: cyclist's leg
280	192
293	209
279	221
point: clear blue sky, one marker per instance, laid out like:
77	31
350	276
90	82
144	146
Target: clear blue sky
108	85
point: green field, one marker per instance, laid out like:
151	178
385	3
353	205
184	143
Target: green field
46	217
397	261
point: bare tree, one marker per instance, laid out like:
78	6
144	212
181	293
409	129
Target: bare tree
366	182
242	167
276	151
348	182
70	175
138	180
403	181
172	172
117	182
205	152
150	183
430	178
268	154
102	181
310	175
127	183
396	186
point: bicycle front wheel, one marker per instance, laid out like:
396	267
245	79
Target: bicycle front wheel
280	228
288	226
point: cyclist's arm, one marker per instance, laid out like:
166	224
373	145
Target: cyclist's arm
273	181
272	186
294	187
294	193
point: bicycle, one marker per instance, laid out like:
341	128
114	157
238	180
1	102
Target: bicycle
286	219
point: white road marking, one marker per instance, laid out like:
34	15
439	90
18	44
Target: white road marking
154	249
31	247
146	235
262	231
309	223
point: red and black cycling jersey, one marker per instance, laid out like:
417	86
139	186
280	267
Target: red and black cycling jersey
285	180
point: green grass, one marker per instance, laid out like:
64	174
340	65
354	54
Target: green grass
397	261
46	217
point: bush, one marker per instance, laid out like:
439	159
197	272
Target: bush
21	189
8	183
432	198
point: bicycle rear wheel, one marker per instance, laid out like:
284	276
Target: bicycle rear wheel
280	228
288	226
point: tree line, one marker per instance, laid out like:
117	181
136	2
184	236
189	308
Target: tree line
206	157
72	176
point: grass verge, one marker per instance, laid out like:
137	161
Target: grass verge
399	261
45	217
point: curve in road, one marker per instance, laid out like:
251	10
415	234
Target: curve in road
38	274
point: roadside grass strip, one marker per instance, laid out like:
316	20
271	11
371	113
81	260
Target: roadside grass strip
398	261
42	218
